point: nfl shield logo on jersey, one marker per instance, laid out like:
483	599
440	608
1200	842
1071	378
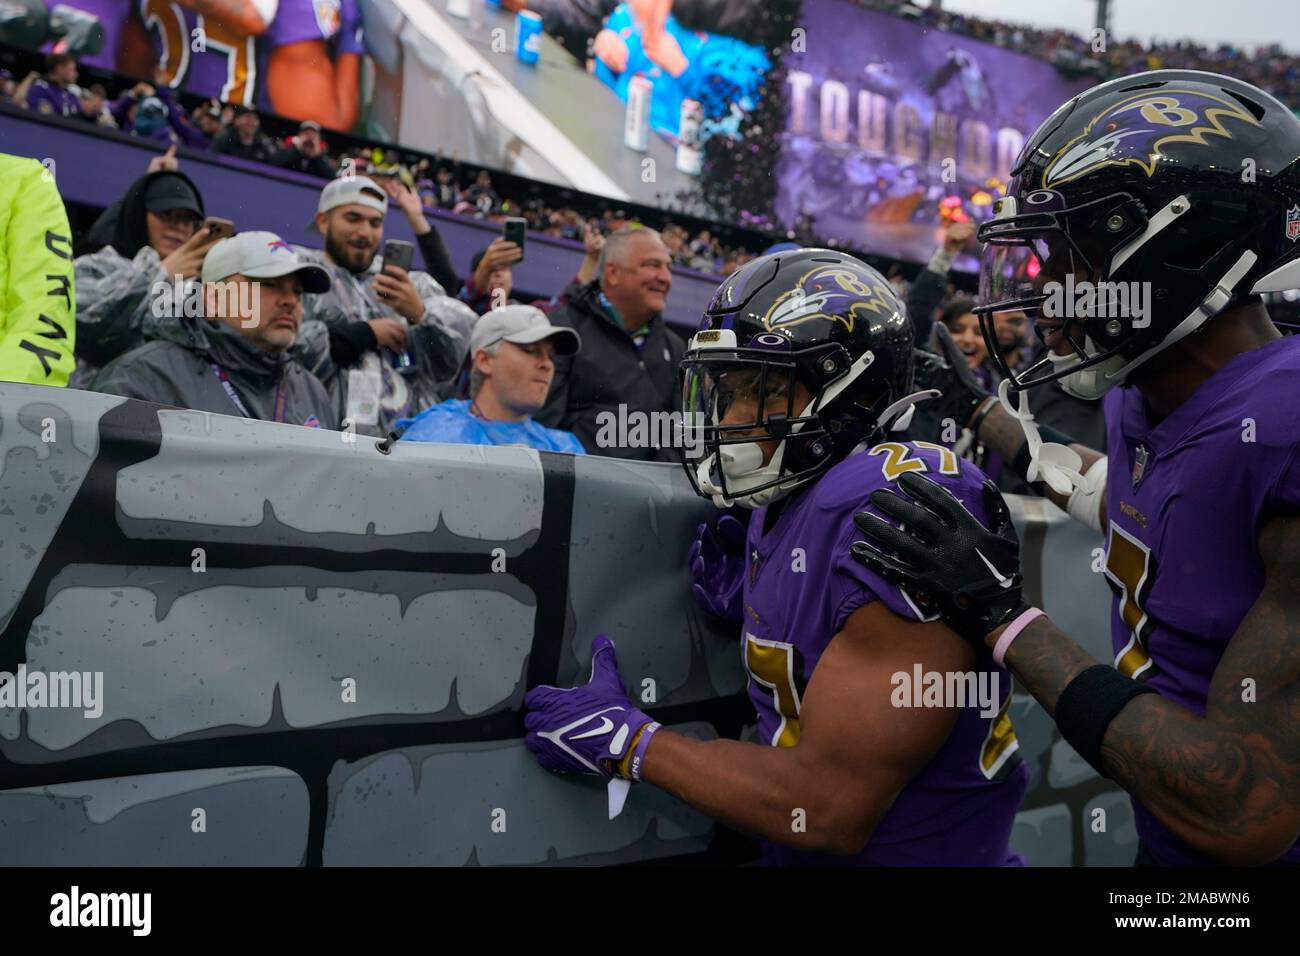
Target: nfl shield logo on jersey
1293	223
328	16
1140	457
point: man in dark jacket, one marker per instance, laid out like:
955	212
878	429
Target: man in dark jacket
228	352
615	393
305	153
244	138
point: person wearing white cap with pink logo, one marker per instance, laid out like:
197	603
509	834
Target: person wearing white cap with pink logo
386	340
229	352
513	350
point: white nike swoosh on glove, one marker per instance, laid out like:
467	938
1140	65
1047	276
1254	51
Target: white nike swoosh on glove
1005	582
606	726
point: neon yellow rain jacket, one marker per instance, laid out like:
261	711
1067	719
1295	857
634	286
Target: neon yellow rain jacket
37	301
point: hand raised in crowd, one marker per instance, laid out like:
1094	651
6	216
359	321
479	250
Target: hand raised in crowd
593	240
498	255
403	197
661	46
188	259
389	333
610	49
958	234
396	289
166	162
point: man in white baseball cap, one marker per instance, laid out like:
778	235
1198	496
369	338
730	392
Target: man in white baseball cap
386	339
513	350
234	359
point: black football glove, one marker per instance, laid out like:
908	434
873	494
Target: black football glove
950	374
943	557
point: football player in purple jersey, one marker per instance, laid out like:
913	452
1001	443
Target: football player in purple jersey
796	386
1144	220
298	58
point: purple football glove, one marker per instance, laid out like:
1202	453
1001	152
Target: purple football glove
717	562
592	728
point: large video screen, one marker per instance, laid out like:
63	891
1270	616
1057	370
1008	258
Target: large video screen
893	130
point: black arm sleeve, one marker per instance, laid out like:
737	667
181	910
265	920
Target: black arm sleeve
437	260
922	299
349	340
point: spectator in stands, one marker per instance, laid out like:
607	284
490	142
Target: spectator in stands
7	86
244	138
491	280
234	359
629	360
94	106
481	195
963	326
393	339
931	285
305	153
155	237
37	330
207	118
704	254
446	193
51	94
513	351
151	111
963	338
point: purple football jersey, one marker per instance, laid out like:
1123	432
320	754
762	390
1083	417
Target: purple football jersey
224	67
801	585
1185	502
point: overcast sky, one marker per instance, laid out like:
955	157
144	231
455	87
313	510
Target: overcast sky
1248	23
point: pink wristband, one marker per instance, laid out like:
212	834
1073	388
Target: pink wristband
1013	631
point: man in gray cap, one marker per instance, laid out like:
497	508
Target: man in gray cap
388	341
233	357
155	240
513	351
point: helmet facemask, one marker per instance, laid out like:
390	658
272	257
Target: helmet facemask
736	400
1038	262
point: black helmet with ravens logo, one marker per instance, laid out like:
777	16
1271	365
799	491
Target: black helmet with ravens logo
1137	212
806	352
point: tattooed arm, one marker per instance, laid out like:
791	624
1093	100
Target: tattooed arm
1228	783
1003	434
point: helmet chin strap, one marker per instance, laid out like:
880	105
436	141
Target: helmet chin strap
1049	462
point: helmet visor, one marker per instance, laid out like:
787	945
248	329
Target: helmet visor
1031	260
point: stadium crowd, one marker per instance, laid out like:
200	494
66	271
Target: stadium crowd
1271	67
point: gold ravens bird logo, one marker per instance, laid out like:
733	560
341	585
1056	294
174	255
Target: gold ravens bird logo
1137	129
833	293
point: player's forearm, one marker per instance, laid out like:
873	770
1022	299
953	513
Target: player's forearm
766	791
1211	785
1004	435
1199	779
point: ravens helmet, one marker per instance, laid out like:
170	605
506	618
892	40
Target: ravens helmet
809	349
1177	184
